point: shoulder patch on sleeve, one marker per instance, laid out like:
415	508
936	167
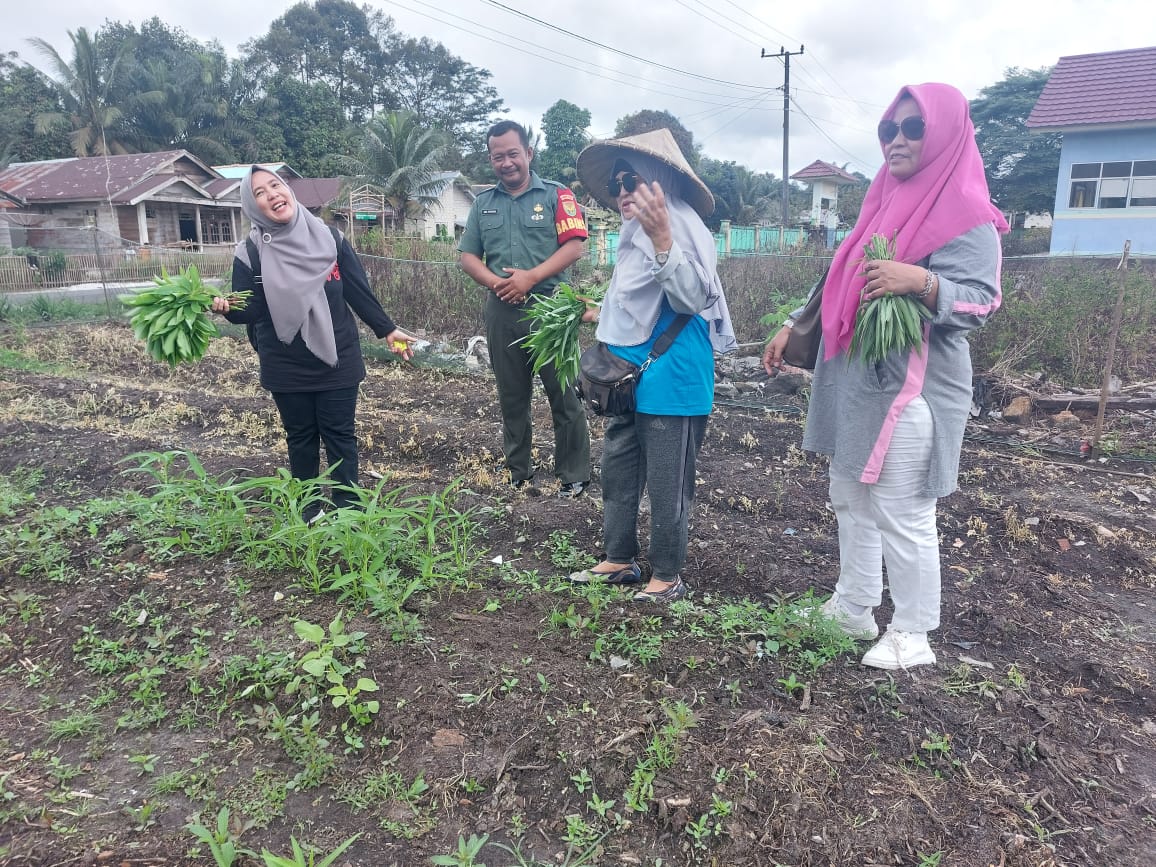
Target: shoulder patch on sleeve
569	221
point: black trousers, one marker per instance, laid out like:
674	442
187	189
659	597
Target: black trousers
314	417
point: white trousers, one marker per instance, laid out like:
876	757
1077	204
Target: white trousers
890	523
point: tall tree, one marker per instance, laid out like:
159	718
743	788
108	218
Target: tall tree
442	91
649	120
87	88
24	96
1021	166
327	41
176	92
308	119
403	159
564	125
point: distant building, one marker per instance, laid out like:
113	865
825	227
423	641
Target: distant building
164	199
236	171
447	218
1105	107
825	180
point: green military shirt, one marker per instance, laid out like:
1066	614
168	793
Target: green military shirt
515	232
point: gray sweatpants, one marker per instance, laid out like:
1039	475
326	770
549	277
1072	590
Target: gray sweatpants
656	453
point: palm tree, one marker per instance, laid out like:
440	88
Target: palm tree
85	87
183	105
403	161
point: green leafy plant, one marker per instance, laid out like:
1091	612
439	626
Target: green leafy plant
890	322
301	858
172	318
554	326
223	840
466	854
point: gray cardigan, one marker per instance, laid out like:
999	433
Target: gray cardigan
854	406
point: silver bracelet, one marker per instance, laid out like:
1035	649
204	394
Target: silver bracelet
790	323
928	285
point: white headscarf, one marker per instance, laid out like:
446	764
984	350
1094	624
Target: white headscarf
633	301
297	259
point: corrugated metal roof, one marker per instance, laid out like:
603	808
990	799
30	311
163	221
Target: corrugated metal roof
120	177
821	170
315	192
238	170
1114	87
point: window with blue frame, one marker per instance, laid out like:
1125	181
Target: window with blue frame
1120	184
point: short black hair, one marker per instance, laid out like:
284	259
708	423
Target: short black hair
504	126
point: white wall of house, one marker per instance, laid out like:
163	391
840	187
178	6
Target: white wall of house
452	207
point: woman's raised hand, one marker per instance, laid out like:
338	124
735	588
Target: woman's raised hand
652	215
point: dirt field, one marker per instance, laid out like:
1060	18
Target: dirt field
572	728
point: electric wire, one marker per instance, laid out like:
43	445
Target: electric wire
613	50
597	70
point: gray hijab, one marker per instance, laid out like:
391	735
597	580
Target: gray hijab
633	300
297	259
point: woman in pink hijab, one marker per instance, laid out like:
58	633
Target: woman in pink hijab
894	428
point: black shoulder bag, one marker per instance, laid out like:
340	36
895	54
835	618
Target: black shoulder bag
803	342
608	382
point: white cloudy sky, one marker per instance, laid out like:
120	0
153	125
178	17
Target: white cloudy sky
698	59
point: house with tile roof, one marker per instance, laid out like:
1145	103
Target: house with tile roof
1105	107
163	199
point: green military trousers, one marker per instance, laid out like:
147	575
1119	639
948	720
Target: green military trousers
505	329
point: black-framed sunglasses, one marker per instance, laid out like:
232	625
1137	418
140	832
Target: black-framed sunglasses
629	182
912	128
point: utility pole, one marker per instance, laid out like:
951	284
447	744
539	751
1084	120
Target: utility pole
786	56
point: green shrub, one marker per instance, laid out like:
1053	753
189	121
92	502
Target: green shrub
1056	317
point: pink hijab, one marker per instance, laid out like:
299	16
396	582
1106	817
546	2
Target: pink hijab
945	198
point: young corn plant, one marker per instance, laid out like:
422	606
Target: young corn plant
301	858
223	840
890	322
553	337
172	318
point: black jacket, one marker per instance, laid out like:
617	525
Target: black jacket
291	367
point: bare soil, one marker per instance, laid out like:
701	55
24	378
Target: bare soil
1030	742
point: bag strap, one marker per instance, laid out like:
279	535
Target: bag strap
667	338
254	259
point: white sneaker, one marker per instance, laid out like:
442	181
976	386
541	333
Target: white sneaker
861	627
900	650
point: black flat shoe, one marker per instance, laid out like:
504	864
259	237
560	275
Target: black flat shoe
673	593
630	574
573	489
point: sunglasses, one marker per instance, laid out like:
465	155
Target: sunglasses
629	182
912	128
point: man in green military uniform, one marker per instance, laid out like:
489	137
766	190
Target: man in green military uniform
520	236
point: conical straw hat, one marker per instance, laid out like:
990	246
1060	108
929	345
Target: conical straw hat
597	159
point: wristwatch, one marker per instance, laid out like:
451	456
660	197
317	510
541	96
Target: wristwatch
660	259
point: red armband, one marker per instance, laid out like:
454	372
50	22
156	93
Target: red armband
568	220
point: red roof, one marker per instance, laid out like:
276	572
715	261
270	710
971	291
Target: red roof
121	178
1116	87
819	170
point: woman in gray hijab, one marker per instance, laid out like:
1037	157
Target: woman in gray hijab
307	283
666	266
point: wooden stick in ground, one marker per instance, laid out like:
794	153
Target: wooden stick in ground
1117	317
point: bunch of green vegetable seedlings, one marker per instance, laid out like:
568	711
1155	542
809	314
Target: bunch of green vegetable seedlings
553	337
889	322
172	317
